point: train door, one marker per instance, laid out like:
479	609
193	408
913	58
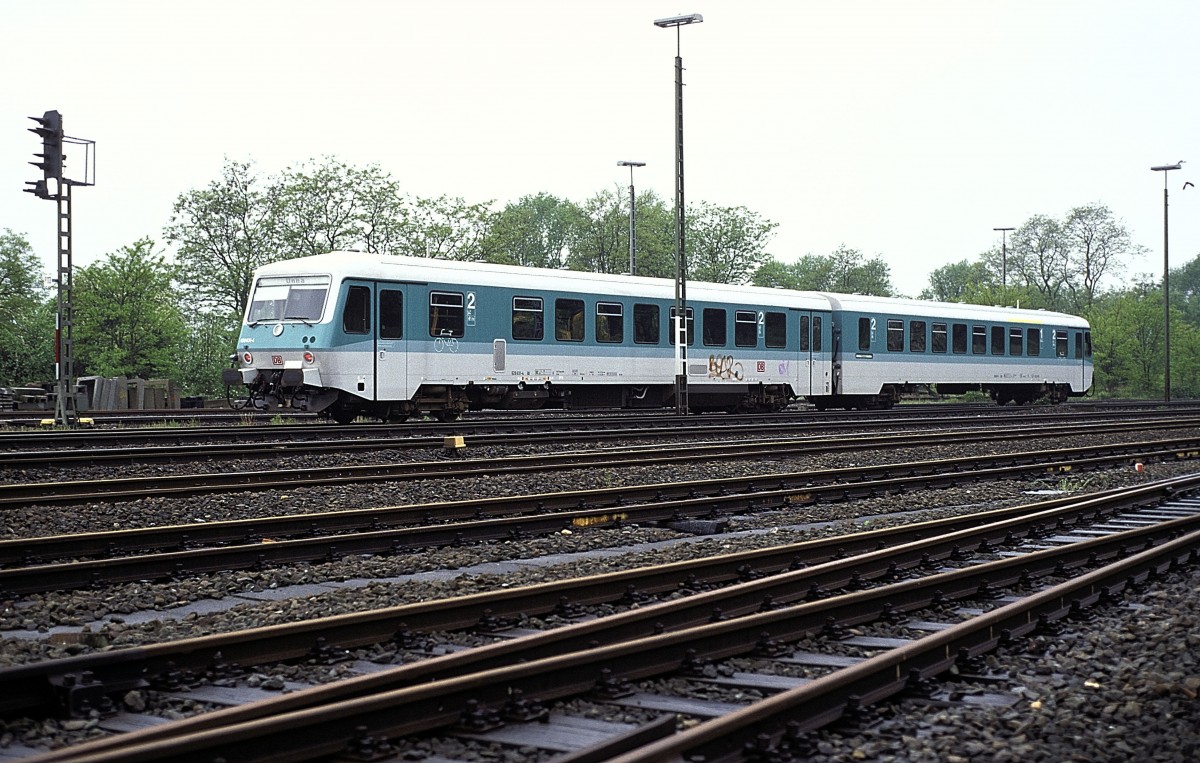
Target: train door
821	342
391	344
805	334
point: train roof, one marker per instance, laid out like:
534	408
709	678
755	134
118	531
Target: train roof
404	268
419	269
951	310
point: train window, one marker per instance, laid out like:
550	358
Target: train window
690	328
610	322
939	337
1078	345
816	336
714	327
804	324
568	320
865	326
916	336
1015	341
1087	344
978	340
997	340
528	318
960	338
391	314
895	335
645	324
288	297
446	313
1033	342
356	315
775	331
745	328
1060	343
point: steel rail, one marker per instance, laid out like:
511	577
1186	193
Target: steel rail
285	729
75	575
195	484
863	556
173	446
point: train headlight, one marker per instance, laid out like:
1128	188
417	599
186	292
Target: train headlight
247	358
309	357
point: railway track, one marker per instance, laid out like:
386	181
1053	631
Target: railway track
181	444
768	607
65	491
48	563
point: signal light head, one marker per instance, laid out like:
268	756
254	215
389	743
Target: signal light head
309	357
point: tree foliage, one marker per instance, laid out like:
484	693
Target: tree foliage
128	315
726	244
26	317
845	271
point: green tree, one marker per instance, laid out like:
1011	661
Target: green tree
1038	256
327	206
127	315
725	244
846	271
956	281
1098	246
532	231
26	318
223	232
446	228
599	235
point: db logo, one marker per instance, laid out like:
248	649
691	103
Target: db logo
762	366
277	360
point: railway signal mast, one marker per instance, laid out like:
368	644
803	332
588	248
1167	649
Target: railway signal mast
55	186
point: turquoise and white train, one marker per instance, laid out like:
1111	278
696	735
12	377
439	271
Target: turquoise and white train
349	334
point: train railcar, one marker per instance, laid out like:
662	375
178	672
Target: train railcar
350	334
893	346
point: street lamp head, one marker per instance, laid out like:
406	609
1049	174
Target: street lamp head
631	164
1164	167
691	18
1003	229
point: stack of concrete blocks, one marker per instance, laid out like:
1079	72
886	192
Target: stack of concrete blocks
118	393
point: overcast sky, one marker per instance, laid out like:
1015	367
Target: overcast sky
907	130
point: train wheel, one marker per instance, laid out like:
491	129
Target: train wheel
344	415
447	415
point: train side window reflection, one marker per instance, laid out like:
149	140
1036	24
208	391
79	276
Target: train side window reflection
997	340
690	327
645	324
804	322
446	313
610	322
895	335
960	338
1078	345
1060	343
528	318
1033	342
1014	341
978	340
356	315
745	328
916	336
939	337
775	331
568	320
714	327
391	314
816	335
864	334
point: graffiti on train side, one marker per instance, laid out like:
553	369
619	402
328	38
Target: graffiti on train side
724	367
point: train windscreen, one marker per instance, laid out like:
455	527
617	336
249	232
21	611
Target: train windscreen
280	298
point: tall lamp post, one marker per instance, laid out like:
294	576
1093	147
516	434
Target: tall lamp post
1003	258
632	206
1164	169
681	337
